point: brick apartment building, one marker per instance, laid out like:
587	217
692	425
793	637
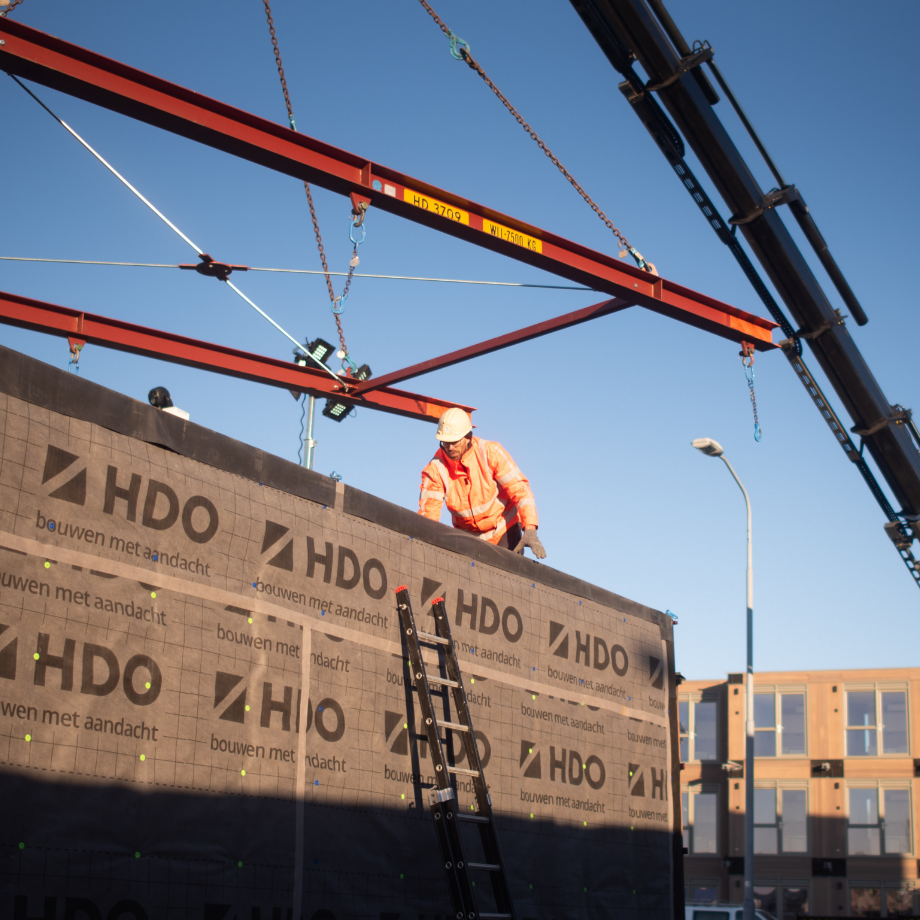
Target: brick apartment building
837	784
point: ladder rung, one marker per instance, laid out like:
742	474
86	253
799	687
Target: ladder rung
428	637
454	726
463	771
489	867
444	681
476	819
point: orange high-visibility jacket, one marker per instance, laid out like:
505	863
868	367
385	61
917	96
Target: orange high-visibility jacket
485	491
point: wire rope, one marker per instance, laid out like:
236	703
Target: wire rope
309	271
166	220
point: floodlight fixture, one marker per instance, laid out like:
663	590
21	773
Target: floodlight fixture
337	410
708	446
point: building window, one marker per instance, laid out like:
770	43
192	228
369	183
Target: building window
698	720
779	724
702	891
784	902
879	823
780	821
699	811
876	723
871	899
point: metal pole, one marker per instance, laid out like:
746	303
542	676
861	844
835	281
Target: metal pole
749	720
308	443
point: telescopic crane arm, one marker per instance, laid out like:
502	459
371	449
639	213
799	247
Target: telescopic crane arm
643	31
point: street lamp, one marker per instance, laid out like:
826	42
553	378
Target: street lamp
714	449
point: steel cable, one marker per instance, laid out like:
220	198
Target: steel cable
169	223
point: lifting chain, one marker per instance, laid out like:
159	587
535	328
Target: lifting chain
6	7
747	359
336	302
460	50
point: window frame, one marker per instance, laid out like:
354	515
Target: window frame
877	689
688	828
881	787
885	886
781	786
780	885
778	692
692	699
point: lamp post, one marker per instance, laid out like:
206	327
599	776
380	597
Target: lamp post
714	449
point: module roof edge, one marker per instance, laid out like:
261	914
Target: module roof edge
48	387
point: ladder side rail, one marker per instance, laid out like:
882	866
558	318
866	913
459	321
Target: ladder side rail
487	833
443	802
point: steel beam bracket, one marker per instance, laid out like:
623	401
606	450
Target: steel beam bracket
211	269
897	417
688	62
785	195
359	206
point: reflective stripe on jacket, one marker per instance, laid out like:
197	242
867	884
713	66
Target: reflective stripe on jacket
485	491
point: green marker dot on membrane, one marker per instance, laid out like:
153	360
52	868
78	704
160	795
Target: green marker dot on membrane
47	565
405	724
250	619
403	795
36	656
242	772
401	875
247	707
240	864
137	854
586	823
147	685
28	737
153	594
143	756
531	815
472	680
22	846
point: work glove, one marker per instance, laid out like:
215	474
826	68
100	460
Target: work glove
531	540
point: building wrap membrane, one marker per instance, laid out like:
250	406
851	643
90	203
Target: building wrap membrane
205	709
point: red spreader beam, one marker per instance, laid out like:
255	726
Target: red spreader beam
496	344
178	349
48	60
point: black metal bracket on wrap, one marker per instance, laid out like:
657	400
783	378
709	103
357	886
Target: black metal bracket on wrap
688	62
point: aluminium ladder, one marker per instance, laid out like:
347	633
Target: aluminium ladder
443	799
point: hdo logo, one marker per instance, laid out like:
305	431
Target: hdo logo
637	782
613	656
656	672
284	558
72	488
230	694
396	732
571	768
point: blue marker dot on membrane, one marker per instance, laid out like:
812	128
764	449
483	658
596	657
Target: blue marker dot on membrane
253	584
50	525
316	782
155	558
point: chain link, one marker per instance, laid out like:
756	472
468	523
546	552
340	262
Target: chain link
10	8
747	360
464	51
306	185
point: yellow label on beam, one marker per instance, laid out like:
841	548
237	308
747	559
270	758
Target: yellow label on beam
436	207
512	236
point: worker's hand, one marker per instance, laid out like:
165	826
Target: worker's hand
532	541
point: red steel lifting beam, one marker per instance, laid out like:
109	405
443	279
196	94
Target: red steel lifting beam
152	343
50	61
502	341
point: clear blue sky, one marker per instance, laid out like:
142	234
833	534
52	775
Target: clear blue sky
600	417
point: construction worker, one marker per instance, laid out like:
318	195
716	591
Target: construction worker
486	494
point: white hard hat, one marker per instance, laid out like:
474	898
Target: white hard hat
454	425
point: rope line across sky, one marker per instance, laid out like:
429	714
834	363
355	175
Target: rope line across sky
308	271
